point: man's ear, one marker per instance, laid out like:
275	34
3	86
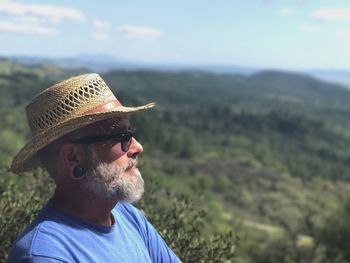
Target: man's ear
71	155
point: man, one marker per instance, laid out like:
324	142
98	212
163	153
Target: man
82	136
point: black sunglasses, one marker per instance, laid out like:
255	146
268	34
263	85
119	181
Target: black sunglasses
124	138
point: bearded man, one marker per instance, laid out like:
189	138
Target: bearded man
82	136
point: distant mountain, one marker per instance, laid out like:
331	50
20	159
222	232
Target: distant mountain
299	86
336	76
99	63
104	63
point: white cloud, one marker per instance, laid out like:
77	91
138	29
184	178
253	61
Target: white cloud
47	12
310	28
101	29
286	12
343	33
26	29
134	31
100	35
100	24
28	19
333	14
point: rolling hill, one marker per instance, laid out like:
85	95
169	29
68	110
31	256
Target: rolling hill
266	155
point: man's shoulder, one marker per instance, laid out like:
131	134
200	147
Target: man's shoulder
157	248
127	208
130	213
34	240
130	217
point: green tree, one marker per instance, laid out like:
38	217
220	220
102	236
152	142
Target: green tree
335	235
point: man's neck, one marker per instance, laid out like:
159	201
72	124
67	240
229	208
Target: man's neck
85	205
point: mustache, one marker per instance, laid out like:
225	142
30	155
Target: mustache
95	162
131	163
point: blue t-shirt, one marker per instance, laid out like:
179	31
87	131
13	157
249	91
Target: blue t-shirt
55	236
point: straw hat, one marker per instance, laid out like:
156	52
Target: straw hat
65	107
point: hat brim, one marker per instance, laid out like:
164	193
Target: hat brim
27	159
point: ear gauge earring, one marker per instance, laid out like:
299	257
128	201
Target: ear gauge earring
78	172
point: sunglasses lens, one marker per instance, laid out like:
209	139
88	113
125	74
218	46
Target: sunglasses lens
125	139
126	144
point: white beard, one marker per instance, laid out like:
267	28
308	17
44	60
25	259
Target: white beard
110	181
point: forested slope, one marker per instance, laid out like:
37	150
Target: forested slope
266	156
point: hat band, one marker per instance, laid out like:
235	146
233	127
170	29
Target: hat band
105	107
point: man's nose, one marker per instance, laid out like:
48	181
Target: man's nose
135	148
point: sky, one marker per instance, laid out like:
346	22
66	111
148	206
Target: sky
285	34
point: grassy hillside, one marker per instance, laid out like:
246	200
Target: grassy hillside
302	88
266	156
262	92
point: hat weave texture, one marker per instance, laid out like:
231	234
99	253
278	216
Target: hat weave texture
65	100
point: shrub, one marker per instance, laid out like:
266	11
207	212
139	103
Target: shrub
180	223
